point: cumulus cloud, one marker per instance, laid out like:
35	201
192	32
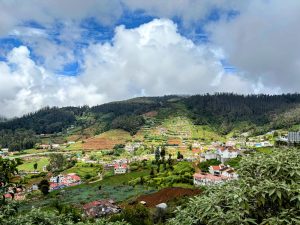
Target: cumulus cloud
153	59
263	42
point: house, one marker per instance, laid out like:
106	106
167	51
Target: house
208	179
55	146
100	208
5	150
230	143
120	168
226	153
212	154
223	170
196	144
215	170
62	181
34	187
57	179
294	137
130	147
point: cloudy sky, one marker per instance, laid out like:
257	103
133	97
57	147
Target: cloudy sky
77	52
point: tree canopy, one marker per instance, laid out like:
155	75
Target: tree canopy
267	192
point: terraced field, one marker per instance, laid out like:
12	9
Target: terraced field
107	140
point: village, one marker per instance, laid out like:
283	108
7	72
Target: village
137	163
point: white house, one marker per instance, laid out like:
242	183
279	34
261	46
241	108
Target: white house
223	170
224	153
130	147
57	179
208	179
120	168
209	155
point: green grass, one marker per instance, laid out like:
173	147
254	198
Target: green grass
123	178
28	164
266	150
206	133
75	147
83	170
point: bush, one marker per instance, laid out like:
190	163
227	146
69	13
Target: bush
266	193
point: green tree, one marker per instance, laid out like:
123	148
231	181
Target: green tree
44	186
170	160
179	155
204	166
35	166
157	154
163	152
56	162
152	172
138	215
8	169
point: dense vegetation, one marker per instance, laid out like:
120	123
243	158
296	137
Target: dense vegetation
222	112
268	192
18	139
225	110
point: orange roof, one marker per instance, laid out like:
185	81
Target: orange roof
196	150
216	167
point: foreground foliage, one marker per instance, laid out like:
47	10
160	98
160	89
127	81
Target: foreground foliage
37	216
268	192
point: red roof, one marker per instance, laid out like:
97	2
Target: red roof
216	167
97	203
53	185
8	195
75	177
117	166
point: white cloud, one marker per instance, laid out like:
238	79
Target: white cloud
153	59
15	12
263	42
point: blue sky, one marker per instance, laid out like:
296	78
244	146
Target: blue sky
74	52
93	31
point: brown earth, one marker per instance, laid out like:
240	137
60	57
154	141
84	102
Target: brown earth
150	114
174	141
166	195
106	140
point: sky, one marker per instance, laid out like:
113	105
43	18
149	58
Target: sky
75	52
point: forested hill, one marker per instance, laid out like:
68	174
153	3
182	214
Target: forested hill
218	110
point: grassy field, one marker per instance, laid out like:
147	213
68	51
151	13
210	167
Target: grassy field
206	133
28	164
83	170
112	187
75	147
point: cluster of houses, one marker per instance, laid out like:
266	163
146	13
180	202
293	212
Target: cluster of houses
131	147
221	153
217	175
62	181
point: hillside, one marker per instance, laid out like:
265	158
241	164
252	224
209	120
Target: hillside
219	113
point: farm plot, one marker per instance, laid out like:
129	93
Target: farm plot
107	140
166	195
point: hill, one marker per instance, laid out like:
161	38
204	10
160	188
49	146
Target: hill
221	113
